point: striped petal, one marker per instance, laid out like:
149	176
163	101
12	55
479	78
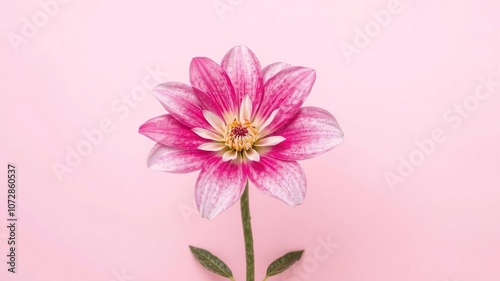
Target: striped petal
219	186
273	69
243	68
173	160
313	131
285	91
166	130
213	87
283	180
180	101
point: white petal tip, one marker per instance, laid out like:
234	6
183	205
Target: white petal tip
206	134
211	146
229	155
252	155
270	141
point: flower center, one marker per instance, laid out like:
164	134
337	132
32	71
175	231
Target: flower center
239	131
240	135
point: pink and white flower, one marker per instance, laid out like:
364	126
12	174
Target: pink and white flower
237	121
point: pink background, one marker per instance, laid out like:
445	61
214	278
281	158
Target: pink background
111	219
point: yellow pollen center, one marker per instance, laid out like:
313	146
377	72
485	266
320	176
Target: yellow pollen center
240	135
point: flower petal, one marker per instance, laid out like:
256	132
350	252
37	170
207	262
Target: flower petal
212	146
262	124
219	186
214	121
213	87
272	69
180	101
173	160
166	130
280	179
252	155
243	68
207	134
230	155
270	141
311	132
285	91
246	109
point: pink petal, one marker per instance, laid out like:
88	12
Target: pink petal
166	130
313	131
219	186
243	68
173	160
273	69
213	87
285	91
280	179
180	101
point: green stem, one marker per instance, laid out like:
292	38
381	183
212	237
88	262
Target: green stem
247	232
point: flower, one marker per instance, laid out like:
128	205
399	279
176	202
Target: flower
236	122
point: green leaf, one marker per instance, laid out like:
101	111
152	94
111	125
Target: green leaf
211	262
283	263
